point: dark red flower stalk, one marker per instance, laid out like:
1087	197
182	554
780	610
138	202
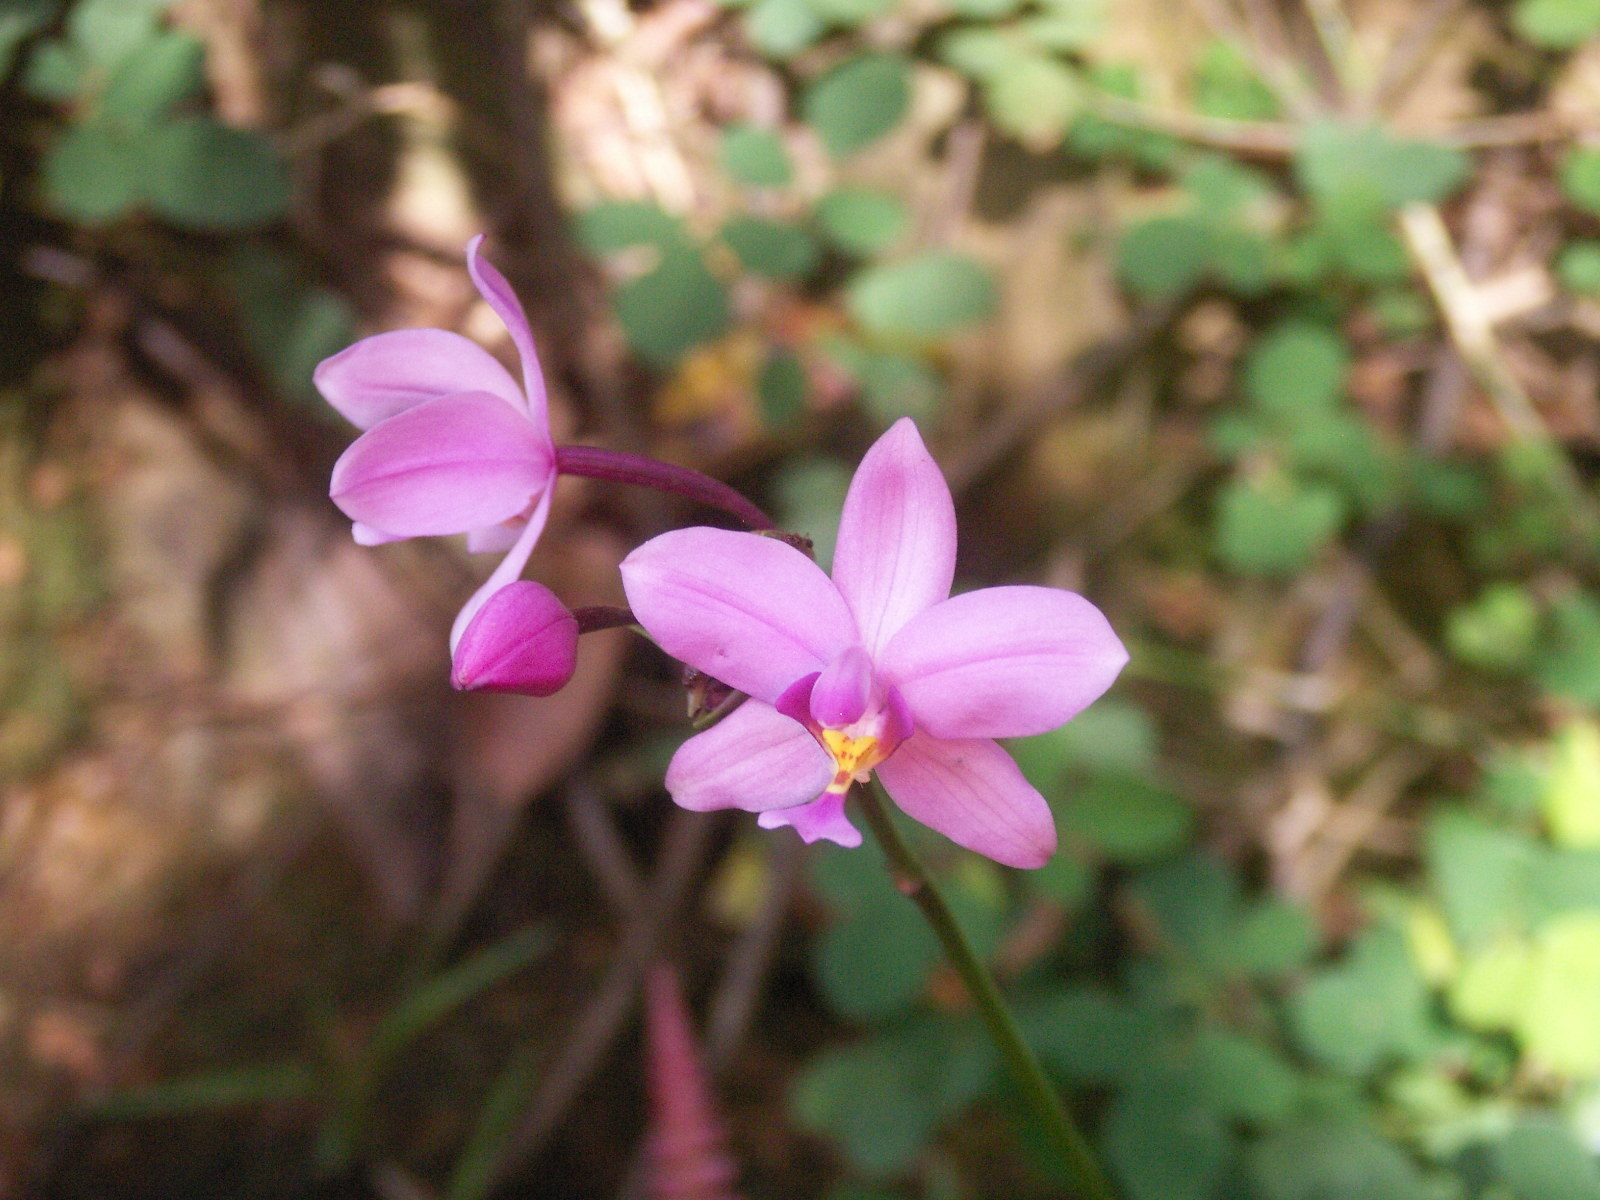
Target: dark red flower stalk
688	1155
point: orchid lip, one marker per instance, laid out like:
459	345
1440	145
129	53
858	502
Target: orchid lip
857	747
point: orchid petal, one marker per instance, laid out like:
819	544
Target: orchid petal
522	640
755	758
843	690
1003	662
896	552
445	466
822	819
509	568
493	287
366	535
748	610
384	375
493	539
971	791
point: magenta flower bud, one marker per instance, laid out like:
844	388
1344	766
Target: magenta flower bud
522	640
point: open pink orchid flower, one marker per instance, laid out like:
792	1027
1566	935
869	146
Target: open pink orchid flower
878	668
451	445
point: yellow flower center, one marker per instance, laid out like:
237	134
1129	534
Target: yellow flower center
853	757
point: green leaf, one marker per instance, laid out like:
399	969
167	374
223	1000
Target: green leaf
883	1099
1571	799
898	385
1578	267
1089	1035
1332	1161
781	388
1497	631
1066	26
1270	937
1558	24
855	104
93	173
983	9
756	157
924	297
1035	99
1129	820
107	31
230	1088
1482	874
770	248
1491	989
622	224
1559	1025
1542	1159
979	51
851	13
1193	902
1243	1079
209	176
1273	526
1570	667
54	72
1113	736
1066	879
1337	161
19	19
1165	255
1369	1009
862	222
783	28
672	309
1227	86
1580	177
1163	1146
163	71
810	497
1297	371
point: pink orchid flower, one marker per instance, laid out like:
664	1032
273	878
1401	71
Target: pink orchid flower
452	444
877	668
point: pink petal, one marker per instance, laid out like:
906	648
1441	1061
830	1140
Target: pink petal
384	375
366	535
522	640
493	539
509	568
822	819
896	553
493	287
1003	662
842	691
973	793
745	609
445	466
755	759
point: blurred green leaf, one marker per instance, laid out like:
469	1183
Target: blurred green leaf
669	311
1164	256
770	248
810	497
980	51
230	1088
622	224
107	31
1558	24
781	387
163	71
855	104
1491	989
924	297
884	1098
1066	879
1578	267
54	72
1297	371
1571	796
1161	1145
1193	902
1113	735
1559	1025
1541	1159
1338	162
984	9
1034	98
1330	1161
1570	665
852	12
19	19
1066	26
93	173
1270	937
1368	1009
202	174
1497	631
756	156
1128	819
862	222
1243	1079
1227	86
783	28
1274	526
1482	874
1580	177
1089	1035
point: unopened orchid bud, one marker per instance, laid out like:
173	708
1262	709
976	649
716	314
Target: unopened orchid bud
522	640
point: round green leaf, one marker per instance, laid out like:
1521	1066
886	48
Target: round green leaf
622	224
1165	255
862	222
1162	1146
854	105
206	175
93	173
1578	267
672	309
1497	631
783	28
162	71
1296	370
924	297
1580	178
770	248
1558	24
1541	1159
851	12
1034	99
755	156
1128	820
1274	527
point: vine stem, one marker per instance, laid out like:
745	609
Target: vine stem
911	878
617	466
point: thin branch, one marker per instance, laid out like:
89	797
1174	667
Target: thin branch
1410	54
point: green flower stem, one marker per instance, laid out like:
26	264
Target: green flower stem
912	879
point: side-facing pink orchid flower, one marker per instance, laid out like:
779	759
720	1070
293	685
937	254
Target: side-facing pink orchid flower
878	668
451	444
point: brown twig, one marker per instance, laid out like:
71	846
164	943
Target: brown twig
1405	61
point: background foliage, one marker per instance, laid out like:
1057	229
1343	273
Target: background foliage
1271	327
